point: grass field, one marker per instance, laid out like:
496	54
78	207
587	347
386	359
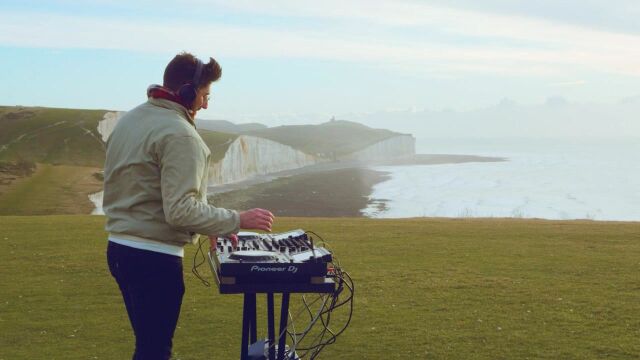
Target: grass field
50	135
425	289
51	189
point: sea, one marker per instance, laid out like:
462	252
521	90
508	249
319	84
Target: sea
560	179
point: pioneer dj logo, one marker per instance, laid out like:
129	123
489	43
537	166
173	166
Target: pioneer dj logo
291	269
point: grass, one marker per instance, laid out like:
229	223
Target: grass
50	135
331	139
51	189
425	289
218	143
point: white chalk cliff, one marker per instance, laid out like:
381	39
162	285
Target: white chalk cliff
105	128
108	123
250	156
390	148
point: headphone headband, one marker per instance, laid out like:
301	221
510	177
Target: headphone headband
198	73
188	92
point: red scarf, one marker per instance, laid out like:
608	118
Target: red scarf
161	92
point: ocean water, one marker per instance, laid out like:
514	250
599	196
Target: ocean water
597	179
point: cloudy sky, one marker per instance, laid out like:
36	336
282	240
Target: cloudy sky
294	61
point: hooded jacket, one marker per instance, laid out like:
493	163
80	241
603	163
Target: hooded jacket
155	178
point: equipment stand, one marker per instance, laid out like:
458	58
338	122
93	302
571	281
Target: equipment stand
251	348
249	325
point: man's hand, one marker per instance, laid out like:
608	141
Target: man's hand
213	241
256	219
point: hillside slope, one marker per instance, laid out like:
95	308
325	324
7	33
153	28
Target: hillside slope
54	136
332	139
227	126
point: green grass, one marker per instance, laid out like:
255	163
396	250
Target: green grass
49	135
425	289
218	143
330	139
51	189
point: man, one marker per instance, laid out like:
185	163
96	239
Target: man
155	186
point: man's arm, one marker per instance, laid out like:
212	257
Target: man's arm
182	164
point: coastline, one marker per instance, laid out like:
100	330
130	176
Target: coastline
340	189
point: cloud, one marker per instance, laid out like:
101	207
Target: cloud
445	41
554	118
568	83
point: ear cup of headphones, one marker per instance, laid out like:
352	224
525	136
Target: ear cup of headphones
187	93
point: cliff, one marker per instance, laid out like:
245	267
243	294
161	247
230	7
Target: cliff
394	147
250	156
334	139
108	123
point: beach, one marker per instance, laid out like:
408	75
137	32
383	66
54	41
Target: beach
327	190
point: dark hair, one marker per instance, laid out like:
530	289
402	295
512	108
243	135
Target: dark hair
182	68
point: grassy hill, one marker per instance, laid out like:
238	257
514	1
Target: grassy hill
218	143
425	289
51	189
227	126
69	151
66	136
52	136
331	139
70	136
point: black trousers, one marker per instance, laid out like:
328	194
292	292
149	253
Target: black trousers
152	288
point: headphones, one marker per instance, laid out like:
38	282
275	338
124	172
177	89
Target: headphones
188	91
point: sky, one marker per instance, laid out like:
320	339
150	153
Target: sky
294	61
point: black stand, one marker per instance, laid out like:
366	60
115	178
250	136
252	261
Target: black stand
249	340
249	325
249	343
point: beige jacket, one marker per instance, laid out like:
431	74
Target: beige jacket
155	178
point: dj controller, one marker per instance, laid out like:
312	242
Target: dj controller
280	258
286	263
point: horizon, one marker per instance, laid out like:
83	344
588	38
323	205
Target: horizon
291	62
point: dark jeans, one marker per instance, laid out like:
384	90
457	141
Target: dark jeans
152	288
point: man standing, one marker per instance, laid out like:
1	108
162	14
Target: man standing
155	185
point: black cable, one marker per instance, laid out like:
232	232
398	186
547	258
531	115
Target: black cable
194	269
341	296
326	335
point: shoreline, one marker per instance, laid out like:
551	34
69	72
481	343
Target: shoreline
417	159
340	189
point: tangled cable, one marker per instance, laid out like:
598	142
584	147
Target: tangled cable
320	329
325	333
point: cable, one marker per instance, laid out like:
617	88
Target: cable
326	335
195	267
323	316
320	329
